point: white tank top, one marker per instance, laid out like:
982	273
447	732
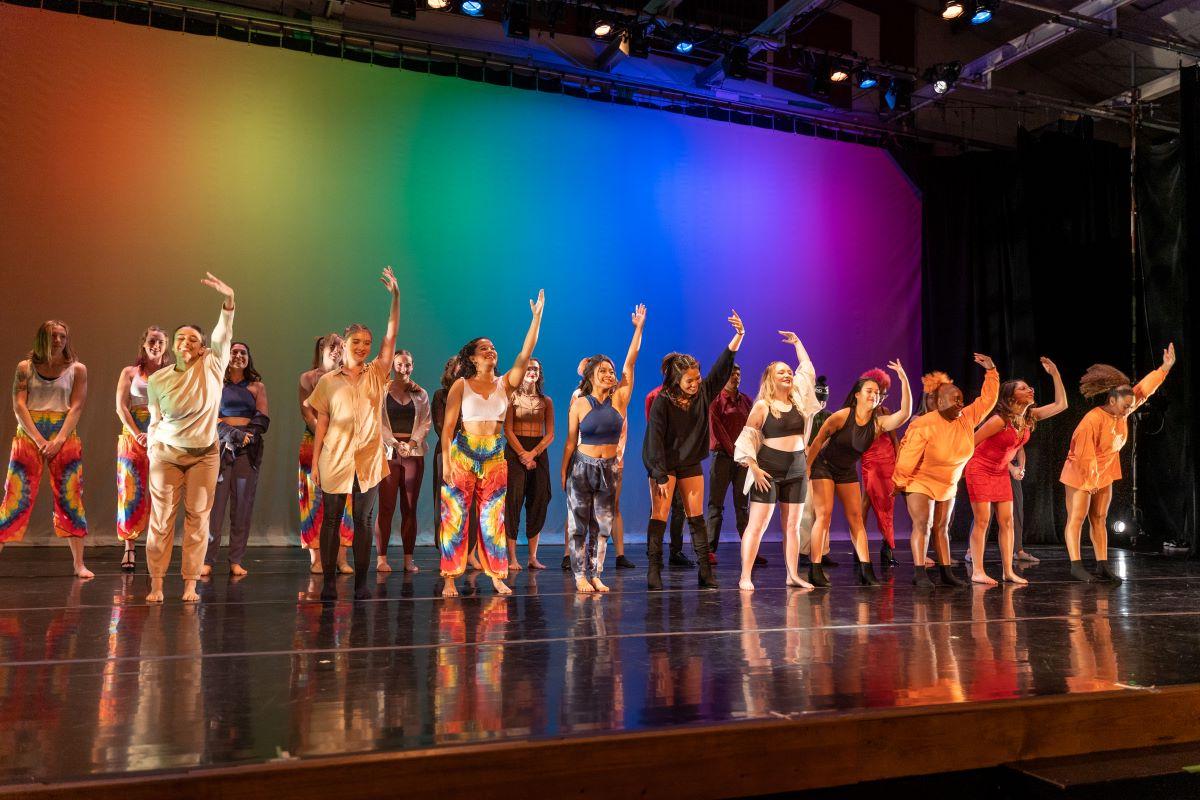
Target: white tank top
137	391
477	408
50	395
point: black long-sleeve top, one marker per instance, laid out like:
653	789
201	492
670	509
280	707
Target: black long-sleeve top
678	437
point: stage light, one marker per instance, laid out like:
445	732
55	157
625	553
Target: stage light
603	28
867	79
898	96
953	10
736	63
472	8
437	5
684	47
1119	526
838	73
983	13
942	76
404	9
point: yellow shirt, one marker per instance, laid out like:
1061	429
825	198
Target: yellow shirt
187	401
1094	460
353	443
935	450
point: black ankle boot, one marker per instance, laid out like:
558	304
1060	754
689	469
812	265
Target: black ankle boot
946	573
704	571
920	578
887	557
1079	573
816	576
1104	574
865	573
654	542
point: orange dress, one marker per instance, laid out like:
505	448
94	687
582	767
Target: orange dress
1094	460
935	451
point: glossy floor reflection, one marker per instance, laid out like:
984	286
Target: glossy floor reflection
95	682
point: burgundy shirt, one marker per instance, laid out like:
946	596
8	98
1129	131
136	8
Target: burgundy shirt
726	418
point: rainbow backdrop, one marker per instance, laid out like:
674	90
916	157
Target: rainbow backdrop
136	159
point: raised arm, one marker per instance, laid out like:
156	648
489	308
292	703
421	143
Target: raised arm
805	376
1149	384
625	387
222	335
1060	393
832	425
891	422
572	439
20	397
739	330
517	373
387	348
986	401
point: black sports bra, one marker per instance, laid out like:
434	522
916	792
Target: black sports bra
789	423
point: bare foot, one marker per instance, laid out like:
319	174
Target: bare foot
1013	577
797	582
745	585
410	565
237	570
206	570
583	586
83	572
189	592
599	585
473	562
981	577
500	586
535	564
155	596
345	568
449	589
381	565
315	568
514	565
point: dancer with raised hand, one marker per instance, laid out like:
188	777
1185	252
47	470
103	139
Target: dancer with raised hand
407	418
476	474
589	472
349	460
772	446
1094	460
989	483
49	391
327	356
133	462
878	464
843	439
529	430
933	454
674	447
184	402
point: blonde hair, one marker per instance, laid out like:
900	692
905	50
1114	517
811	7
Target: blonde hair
766	389
40	354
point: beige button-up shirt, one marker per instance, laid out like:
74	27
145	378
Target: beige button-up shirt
353	443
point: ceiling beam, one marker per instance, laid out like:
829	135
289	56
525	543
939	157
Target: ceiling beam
1151	90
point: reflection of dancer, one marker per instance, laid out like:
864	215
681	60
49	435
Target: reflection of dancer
933	453
674	447
589	471
878	464
133	462
843	439
529	430
48	396
988	480
326	358
406	419
1094	461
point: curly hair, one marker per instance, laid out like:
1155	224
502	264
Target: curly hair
674	366
1103	379
1006	412
881	378
450	372
588	373
466	367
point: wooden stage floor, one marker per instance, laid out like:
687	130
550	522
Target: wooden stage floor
680	693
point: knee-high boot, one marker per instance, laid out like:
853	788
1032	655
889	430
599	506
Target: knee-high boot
655	530
699	530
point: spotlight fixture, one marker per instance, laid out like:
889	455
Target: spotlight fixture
404	9
603	28
639	39
838	74
684	47
437	5
898	95
1119	526
952	10
867	79
983	13
942	76
515	19
472	8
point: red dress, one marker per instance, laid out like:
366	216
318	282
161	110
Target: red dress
878	464
988	479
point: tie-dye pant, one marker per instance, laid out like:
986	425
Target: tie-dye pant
477	477
311	507
591	496
133	478
25	466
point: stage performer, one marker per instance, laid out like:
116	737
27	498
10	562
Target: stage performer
476	476
242	420
1094	459
989	482
843	439
327	356
772	447
529	431
184	457
49	392
674	446
933	453
589	472
726	418
675	557
133	462
878	464
406	421
349	459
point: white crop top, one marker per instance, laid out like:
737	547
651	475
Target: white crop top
477	408
137	391
50	395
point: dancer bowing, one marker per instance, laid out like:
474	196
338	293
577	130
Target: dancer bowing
933	454
674	447
1094	460
989	483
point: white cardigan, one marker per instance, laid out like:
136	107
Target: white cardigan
750	440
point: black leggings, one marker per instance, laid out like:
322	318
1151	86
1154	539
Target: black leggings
526	487
333	506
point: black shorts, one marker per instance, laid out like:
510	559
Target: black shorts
688	471
789	476
824	471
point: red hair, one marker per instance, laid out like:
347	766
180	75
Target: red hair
880	377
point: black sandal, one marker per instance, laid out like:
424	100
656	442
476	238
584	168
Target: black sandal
128	561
